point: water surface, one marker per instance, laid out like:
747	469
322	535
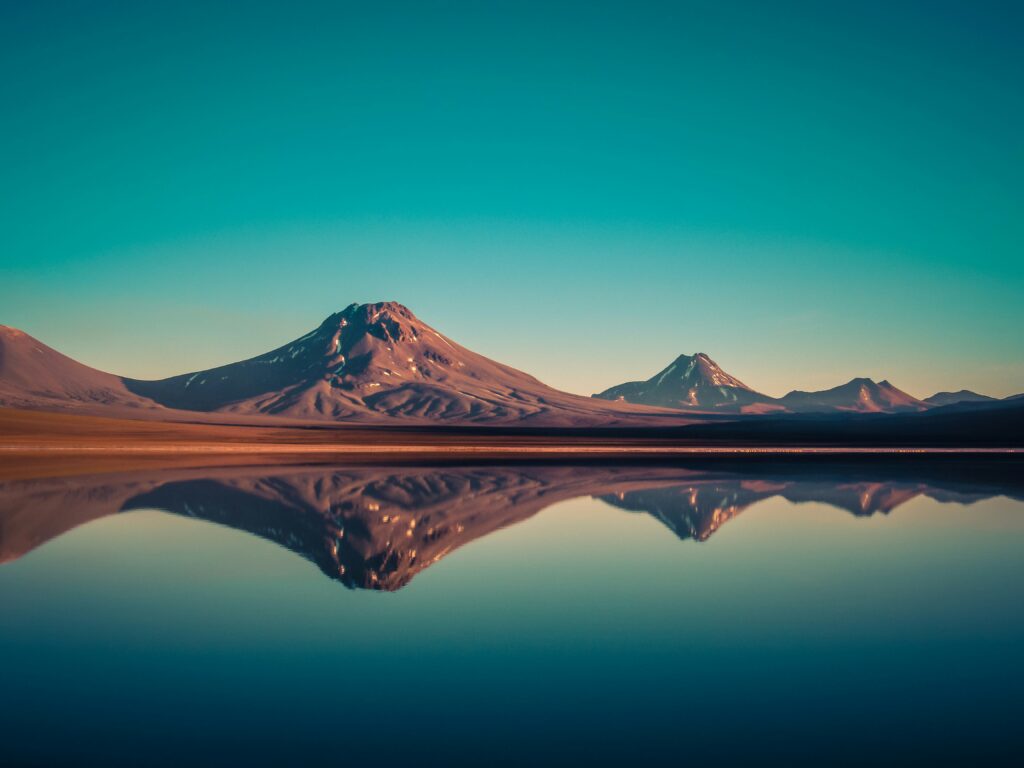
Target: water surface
792	612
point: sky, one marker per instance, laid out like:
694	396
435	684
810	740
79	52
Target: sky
807	192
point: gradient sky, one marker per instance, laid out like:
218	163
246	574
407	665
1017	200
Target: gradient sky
805	191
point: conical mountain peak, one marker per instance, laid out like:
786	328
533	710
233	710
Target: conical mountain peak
692	382
376	360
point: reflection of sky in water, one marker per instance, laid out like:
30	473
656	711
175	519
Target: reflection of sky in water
583	632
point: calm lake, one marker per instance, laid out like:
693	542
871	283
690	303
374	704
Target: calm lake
816	612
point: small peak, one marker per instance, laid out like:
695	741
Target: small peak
334	317
387	306
370	311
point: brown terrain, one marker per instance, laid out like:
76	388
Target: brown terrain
27	435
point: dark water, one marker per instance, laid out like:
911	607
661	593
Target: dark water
819	612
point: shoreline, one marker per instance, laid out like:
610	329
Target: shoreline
567	450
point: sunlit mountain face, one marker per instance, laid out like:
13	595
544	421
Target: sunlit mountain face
373	527
367	363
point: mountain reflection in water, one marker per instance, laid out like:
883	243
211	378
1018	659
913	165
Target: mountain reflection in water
373	527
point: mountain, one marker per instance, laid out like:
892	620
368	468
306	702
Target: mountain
963	396
691	382
857	395
367	363
32	375
697	383
377	361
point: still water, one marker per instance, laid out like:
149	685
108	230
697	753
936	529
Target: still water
820	612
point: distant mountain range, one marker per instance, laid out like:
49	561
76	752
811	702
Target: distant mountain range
963	396
698	384
380	363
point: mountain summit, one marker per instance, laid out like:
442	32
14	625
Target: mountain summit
691	382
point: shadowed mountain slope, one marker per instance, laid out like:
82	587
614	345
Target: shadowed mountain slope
963	396
32	375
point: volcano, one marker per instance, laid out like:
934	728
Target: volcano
378	361
692	382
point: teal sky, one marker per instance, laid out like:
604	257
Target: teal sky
805	191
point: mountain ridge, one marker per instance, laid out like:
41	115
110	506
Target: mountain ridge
379	363
704	386
367	363
860	394
960	396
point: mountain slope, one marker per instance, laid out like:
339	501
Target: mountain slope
32	375
857	395
691	382
375	361
963	396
